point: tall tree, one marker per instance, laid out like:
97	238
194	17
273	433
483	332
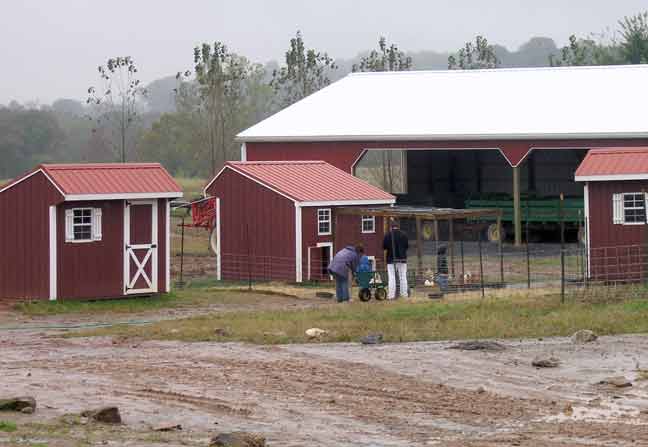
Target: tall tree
305	72
473	56
220	78
634	34
386	58
115	101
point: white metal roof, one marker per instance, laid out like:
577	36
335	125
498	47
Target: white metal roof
566	102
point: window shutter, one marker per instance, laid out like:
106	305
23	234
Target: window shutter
617	209
69	225
96	224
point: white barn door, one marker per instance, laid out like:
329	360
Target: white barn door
141	247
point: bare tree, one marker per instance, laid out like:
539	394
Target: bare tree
115	102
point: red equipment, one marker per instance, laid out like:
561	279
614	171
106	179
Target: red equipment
203	213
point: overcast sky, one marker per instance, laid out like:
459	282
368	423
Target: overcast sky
51	48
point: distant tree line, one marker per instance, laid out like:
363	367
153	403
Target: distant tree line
189	121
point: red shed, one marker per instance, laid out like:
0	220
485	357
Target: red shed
278	220
616	182
86	231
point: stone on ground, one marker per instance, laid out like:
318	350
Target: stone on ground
168	426
107	415
545	362
619	382
584	336
372	339
17	403
238	439
315	332
478	346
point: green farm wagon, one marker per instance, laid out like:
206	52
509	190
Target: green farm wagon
543	214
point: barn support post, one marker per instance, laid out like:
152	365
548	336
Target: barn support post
562	248
501	251
419	248
517	214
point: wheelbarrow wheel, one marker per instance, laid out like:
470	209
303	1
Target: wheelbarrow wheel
381	294
364	294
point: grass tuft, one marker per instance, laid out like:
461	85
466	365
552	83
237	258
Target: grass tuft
8	426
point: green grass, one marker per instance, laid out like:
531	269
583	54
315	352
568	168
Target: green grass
512	317
8	426
190	297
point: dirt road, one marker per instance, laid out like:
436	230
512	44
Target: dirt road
332	395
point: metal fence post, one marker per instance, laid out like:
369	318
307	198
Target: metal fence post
249	257
181	282
481	265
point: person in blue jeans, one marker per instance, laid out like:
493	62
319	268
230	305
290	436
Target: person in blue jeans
345	261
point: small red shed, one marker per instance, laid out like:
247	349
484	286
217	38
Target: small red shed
86	231
279	220
616	187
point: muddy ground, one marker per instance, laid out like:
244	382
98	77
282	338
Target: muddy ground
326	395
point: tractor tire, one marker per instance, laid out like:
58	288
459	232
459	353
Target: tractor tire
494	233
213	241
364	295
380	294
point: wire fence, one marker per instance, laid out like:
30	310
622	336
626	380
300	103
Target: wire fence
472	265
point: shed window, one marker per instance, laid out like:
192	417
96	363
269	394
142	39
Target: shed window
368	224
83	225
324	221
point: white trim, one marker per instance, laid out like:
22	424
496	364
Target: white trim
298	243
69	213
243	152
11	185
330	222
362	219
587	229
167	248
218	240
124	196
53	258
248	177
440	137
608	178
331	253
350	202
152	254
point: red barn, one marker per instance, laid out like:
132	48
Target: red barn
616	182
86	231
280	220
455	136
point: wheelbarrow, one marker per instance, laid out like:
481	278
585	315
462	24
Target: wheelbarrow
371	285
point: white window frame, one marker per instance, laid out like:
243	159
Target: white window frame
371	219
624	208
329	221
95	225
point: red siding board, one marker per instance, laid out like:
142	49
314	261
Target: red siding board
93	269
258	222
24	238
347	230
343	154
616	251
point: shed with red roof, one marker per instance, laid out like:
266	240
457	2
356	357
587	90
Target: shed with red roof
616	187
85	231
278	220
